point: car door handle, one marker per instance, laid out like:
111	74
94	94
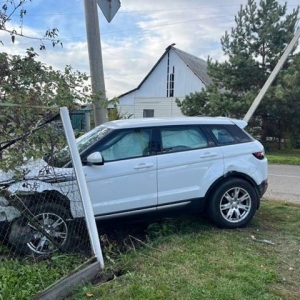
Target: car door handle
143	166
208	154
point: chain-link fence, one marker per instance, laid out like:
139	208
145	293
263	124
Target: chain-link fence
43	232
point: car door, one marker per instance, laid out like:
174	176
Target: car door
188	163
127	181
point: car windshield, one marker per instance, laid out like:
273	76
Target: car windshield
63	157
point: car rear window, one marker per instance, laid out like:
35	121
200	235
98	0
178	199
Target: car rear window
228	134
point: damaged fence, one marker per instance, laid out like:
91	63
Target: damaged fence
44	235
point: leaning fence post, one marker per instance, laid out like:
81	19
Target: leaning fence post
83	189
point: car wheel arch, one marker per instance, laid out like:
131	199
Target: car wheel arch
29	242
50	196
224	178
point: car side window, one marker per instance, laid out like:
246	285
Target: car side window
228	134
126	144
222	135
180	138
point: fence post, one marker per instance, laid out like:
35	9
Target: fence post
83	189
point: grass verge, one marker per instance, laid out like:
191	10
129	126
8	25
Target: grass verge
22	278
188	258
289	156
179	258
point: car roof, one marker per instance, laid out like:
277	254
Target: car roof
153	122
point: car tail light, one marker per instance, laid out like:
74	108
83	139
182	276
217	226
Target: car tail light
259	155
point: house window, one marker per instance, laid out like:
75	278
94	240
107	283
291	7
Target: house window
148	113
170	84
171	92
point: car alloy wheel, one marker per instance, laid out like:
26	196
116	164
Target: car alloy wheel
235	204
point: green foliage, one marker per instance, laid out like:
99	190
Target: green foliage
253	49
113	112
195	104
30	96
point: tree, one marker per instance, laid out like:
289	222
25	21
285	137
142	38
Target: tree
12	7
253	48
289	104
30	96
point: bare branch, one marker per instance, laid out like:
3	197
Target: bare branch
9	9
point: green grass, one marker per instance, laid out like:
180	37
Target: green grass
181	258
288	156
188	258
22	278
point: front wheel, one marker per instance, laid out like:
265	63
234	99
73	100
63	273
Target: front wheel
233	204
54	219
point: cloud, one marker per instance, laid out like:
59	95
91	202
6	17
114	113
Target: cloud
134	40
194	28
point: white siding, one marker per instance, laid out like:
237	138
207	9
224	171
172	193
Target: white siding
126	110
176	112
163	107
186	81
128	99
153	92
155	85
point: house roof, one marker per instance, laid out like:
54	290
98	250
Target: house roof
196	64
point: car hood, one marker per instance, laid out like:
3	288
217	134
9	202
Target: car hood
37	170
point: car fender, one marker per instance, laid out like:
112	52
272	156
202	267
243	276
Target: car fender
69	189
7	212
213	173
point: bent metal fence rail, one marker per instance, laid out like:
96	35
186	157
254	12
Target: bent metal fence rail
44	235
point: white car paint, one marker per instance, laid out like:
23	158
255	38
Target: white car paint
121	185
183	175
143	182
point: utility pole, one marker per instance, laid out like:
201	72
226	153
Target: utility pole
272	76
95	59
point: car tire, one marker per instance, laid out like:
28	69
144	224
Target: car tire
55	219
233	204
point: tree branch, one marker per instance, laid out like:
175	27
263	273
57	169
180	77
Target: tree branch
11	142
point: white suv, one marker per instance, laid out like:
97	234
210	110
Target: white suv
148	166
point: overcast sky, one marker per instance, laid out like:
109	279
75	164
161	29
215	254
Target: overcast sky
133	41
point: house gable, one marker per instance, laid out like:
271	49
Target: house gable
175	75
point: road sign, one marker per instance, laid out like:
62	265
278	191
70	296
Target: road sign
109	8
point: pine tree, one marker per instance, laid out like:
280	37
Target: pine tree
253	48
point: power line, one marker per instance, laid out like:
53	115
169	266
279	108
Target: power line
144	11
161	25
155	26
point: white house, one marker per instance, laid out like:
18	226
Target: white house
175	75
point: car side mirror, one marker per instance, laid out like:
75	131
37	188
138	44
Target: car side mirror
95	159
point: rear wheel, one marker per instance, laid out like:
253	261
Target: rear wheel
53	218
233	204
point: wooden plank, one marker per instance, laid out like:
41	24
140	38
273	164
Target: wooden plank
64	287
